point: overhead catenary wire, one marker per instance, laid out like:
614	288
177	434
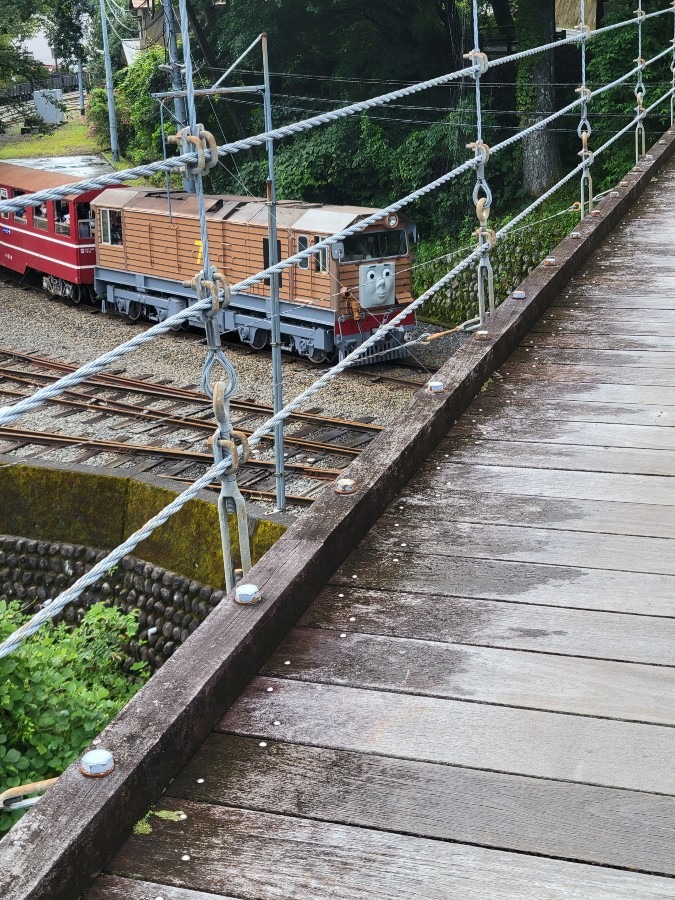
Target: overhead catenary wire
297	127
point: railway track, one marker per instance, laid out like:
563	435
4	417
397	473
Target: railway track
141	425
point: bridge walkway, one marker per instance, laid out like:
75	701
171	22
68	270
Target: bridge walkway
481	702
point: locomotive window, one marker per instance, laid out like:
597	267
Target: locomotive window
3	196
375	245
321	259
62	216
303	244
266	257
20	214
111	227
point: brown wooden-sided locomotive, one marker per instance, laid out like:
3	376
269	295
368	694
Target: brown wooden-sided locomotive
148	244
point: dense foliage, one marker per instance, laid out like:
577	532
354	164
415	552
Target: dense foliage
59	690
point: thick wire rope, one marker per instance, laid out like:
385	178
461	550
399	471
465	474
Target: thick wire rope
10	413
115	556
325	118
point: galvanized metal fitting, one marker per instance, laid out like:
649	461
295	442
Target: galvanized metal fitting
576	235
550	261
345	486
247	594
435	387
97	763
482	335
519	295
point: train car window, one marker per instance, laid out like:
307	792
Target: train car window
375	245
321	259
20	214
85	221
62	216
111	227
303	244
266	258
4	194
40	217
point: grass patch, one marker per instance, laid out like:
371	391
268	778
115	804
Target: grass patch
71	139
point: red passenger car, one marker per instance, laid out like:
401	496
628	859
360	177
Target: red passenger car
55	239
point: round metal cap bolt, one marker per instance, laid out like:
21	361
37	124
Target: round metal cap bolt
550	261
97	763
435	387
519	295
345	486
247	594
576	234
482	335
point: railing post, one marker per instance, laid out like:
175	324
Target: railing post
584	130
640	90
486	236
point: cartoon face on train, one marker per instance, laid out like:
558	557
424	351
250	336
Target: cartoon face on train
377	285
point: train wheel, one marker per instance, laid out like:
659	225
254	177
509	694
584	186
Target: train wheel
76	294
134	311
317	356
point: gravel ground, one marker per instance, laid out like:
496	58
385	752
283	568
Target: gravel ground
31	322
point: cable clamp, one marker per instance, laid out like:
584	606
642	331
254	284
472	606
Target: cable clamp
642	62
487	238
640	13
583	28
199	142
480	147
585	92
479	60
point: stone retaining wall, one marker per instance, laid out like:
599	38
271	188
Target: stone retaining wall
170	606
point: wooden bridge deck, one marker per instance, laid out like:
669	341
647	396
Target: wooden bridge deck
481	703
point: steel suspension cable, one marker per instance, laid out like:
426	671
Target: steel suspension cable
71	594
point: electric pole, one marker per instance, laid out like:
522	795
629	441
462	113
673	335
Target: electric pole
114	144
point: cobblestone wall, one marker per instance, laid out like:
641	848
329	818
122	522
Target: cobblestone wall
170	606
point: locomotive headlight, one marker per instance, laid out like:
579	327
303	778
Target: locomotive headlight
392	220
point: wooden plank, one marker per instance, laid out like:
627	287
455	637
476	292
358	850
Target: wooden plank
110	887
554	483
516	678
586	324
520	582
625	342
588	374
268	857
565	316
562	356
612	552
533	389
588	434
477	735
625	829
479	504
573	458
492	403
607	296
489	623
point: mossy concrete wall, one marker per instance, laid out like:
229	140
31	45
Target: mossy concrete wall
72	506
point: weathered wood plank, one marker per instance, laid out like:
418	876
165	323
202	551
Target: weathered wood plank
565	356
573	458
517	678
620	321
494	403
269	857
589	374
616	552
518	582
535	482
110	887
498	738
623	342
625	829
477	503
533	389
490	623
590	434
